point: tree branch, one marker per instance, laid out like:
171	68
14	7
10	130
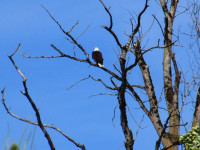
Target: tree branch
87	61
34	123
107	10
159	24
108	87
68	34
137	98
26	94
149	88
162	133
138	25
114	35
109	29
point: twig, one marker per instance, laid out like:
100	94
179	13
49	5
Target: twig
139	127
158	46
133	117
114	83
72	26
159	24
117	69
84	31
138	99
102	83
138	86
102	94
114	114
185	95
77	83
160	95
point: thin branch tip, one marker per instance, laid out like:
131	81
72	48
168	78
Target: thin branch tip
15	50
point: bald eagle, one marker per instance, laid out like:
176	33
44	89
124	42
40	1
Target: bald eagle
97	57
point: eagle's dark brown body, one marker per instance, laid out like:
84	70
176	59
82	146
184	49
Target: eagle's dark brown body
97	57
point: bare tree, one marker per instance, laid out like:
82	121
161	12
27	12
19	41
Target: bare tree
169	130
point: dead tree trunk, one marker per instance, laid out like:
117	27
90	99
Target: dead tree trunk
171	92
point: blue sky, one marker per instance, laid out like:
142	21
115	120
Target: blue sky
86	120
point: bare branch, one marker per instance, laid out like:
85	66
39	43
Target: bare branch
18	47
116	87
136	96
160	95
88	61
162	133
139	127
110	94
159	25
68	56
138	124
161	47
114	35
77	82
114	114
74	58
109	29
15	64
138	86
68	34
84	31
99	80
107	10
34	123
138	25
72	26
26	94
133	65
117	69
94	80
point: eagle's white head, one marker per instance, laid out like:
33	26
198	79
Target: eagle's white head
96	49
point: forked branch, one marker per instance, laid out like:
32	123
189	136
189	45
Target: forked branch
68	34
35	123
138	24
107	10
109	29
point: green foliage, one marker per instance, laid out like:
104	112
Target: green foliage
191	140
14	147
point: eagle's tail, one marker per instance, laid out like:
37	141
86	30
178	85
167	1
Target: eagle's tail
101	65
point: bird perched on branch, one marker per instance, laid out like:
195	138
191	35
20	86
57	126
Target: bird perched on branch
97	57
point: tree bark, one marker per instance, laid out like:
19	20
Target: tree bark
122	105
171	94
196	116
